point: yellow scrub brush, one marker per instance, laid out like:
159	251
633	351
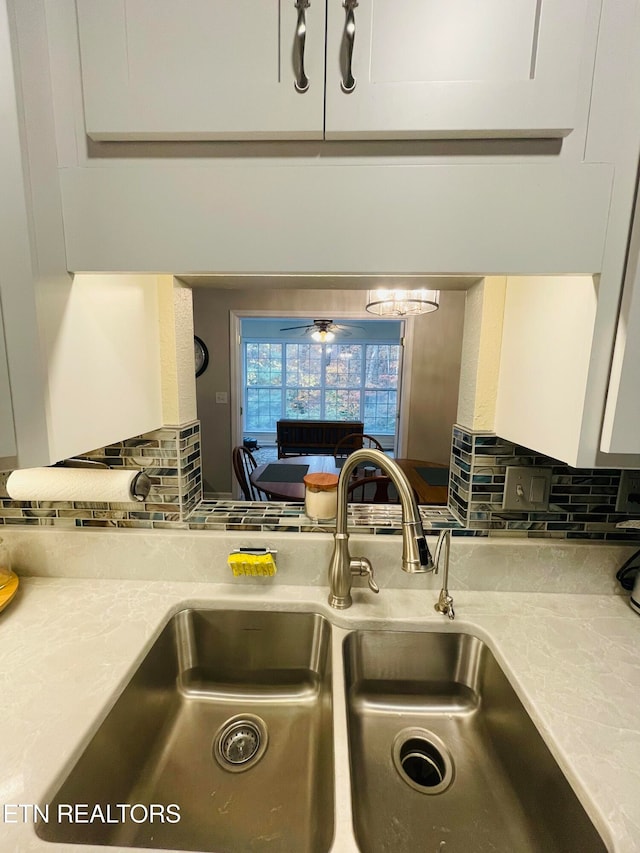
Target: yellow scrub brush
256	562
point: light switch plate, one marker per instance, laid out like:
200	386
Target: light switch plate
526	488
222	397
629	492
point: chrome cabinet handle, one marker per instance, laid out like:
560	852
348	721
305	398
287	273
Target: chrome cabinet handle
348	83
302	82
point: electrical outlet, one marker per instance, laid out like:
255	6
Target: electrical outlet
526	488
629	492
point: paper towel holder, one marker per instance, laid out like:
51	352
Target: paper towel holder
140	487
76	462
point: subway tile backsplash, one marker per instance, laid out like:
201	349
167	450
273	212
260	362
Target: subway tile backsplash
582	500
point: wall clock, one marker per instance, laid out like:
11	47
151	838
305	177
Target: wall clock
201	354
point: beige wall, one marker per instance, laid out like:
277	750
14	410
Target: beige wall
435	366
175	309
481	348
435	377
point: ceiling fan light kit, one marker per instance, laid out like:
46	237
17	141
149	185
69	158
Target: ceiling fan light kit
323	336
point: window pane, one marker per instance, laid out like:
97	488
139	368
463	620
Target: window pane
263	364
304	365
321	381
344	365
302	404
342	405
264	407
380	412
382	364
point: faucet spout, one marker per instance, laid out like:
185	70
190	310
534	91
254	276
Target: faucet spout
444	604
416	556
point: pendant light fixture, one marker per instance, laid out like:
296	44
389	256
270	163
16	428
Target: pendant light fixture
402	303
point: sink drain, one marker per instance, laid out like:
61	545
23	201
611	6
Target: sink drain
422	760
240	742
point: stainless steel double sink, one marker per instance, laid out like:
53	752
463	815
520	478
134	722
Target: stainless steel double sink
230	717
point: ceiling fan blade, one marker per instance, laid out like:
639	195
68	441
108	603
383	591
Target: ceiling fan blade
323	326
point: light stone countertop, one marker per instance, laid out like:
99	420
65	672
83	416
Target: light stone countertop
69	645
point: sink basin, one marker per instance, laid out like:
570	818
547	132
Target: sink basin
444	756
228	716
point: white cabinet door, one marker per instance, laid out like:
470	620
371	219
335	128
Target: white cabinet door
456	68
201	69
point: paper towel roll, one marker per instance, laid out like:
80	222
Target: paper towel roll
102	485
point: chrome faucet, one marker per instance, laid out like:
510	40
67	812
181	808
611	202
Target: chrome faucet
445	602
416	556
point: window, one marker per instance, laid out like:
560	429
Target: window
263	394
353	381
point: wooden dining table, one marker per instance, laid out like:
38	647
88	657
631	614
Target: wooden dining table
429	480
287	485
273	481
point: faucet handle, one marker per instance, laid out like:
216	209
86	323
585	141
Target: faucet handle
363	568
445	604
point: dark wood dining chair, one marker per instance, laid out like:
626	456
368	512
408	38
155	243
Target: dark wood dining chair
372	490
244	464
354	441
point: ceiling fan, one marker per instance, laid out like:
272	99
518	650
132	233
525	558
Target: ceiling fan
323	331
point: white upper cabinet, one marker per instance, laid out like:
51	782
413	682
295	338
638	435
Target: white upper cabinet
454	68
241	69
80	357
197	69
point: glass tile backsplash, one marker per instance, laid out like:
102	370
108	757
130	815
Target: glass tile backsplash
582	500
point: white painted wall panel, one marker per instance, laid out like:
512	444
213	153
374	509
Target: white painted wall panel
357	219
621	428
7	432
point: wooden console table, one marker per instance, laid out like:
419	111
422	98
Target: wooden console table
309	438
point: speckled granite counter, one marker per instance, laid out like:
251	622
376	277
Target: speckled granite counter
69	645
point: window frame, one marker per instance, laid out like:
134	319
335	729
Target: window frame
362	388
